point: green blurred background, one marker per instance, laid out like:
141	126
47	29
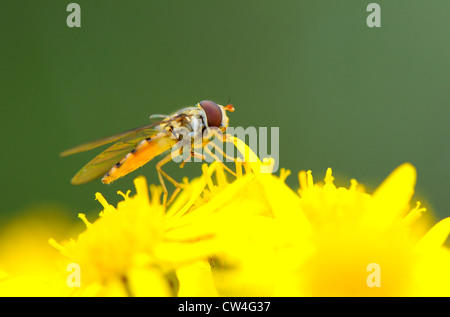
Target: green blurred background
346	96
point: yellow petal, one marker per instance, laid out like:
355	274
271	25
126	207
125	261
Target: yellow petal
285	204
391	199
148	282
435	237
196	280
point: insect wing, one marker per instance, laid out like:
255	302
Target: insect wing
103	162
131	134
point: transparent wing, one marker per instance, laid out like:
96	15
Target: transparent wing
141	132
125	143
103	162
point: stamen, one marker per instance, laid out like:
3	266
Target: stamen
310	181
155	192
63	250
414	214
220	177
83	217
102	200
125	196
284	173
353	184
329	177
141	188
302	180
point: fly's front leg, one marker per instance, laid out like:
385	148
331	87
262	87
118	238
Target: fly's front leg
210	133
203	157
207	150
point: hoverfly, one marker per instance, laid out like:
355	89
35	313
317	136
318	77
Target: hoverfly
137	147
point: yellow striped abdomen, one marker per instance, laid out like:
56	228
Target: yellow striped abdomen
145	151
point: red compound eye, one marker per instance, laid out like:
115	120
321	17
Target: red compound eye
213	113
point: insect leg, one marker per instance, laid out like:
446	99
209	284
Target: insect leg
207	150
161	173
187	159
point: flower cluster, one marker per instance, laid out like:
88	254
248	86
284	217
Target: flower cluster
251	235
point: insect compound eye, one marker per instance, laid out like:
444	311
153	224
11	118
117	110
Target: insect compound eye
213	113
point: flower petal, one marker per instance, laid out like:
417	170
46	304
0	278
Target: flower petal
391	199
435	237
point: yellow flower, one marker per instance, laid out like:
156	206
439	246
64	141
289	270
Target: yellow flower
246	222
132	249
251	235
327	241
29	266
363	244
119	253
